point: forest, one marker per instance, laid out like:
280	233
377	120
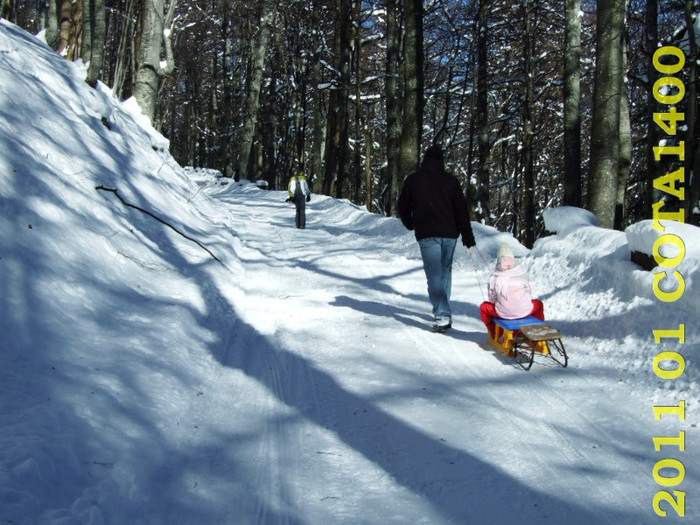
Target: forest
538	103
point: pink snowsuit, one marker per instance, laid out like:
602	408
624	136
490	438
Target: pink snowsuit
510	295
510	292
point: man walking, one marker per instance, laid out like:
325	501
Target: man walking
432	203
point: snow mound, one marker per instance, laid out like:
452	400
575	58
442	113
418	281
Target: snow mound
565	218
642	237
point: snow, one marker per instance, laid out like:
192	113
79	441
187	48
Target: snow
564	218
295	380
643	236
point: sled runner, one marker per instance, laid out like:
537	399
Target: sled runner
521	338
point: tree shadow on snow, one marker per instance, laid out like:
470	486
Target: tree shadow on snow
374	308
459	486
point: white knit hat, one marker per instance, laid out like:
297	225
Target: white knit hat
505	251
506	259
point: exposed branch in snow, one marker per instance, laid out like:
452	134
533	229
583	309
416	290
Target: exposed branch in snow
116	192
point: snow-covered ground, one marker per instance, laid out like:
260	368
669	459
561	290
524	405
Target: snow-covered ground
293	379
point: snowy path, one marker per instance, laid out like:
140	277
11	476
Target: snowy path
367	417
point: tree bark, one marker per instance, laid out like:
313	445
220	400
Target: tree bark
315	165
6	11
97	22
572	101
148	69
65	42
412	120
692	140
527	205
52	26
481	206
652	40
607	93
625	152
393	108
123	57
337	122
252	107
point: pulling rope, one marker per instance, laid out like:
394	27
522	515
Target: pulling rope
476	271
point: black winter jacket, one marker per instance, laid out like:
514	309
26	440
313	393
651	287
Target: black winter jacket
432	203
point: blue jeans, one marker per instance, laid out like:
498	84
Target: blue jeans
437	254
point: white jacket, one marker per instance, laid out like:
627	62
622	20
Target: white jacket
298	180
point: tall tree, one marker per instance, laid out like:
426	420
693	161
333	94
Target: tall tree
6	11
692	139
605	134
625	151
361	127
318	128
337	122
155	26
528	144
393	107
572	104
122	58
652	135
413	80
252	106
481	204
65	39
94	25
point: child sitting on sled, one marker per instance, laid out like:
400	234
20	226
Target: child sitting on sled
510	295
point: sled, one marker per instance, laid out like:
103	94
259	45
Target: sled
522	338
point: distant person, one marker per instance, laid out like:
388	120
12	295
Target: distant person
299	194
510	294
433	204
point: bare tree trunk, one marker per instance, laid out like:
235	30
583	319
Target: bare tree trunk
359	109
314	164
368	166
298	97
337	134
66	41
412	120
252	107
227	67
572	99
317	153
625	153
6	11
123	57
692	140
95	25
393	108
88	22
148	69
652	167
268	150
481	209
605	136
52	25
527	210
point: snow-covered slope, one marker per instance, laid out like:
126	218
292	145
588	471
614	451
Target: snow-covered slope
227	368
